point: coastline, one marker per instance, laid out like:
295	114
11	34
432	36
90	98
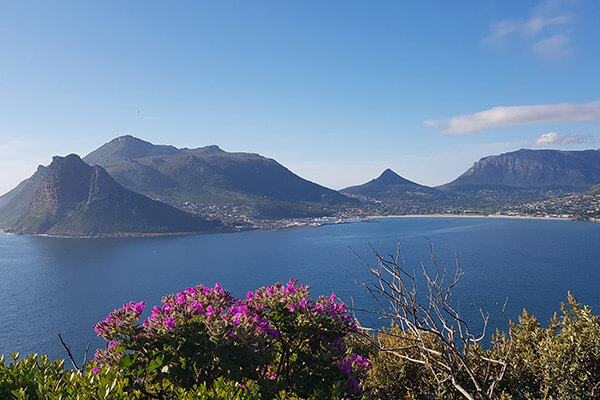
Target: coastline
295	225
473	216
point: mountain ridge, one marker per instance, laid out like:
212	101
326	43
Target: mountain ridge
209	175
532	169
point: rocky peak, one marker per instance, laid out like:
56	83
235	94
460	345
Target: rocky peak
389	177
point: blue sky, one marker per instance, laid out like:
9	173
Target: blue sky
335	90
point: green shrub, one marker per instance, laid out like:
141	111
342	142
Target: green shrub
561	361
558	362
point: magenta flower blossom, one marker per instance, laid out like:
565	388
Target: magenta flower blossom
170	323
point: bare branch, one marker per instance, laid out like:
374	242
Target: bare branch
428	326
68	352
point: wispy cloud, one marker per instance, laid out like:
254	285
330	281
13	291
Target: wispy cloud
518	115
554	47
554	139
546	31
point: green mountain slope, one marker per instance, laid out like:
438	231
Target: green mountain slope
209	175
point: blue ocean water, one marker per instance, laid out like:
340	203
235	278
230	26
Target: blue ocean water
52	285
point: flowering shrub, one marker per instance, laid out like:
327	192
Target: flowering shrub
278	338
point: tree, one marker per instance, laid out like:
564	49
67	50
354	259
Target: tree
428	331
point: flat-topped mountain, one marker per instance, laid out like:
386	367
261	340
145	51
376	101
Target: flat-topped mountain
570	171
71	198
390	186
209	175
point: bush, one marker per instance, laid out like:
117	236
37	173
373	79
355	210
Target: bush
561	361
276	339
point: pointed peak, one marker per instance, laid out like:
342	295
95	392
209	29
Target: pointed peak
388	173
389	177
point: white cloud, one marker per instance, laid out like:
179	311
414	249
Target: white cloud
554	47
546	31
554	139
536	24
518	115
500	30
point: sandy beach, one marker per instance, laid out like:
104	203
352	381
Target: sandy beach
468	216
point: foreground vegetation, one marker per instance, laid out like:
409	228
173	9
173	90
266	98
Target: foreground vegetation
560	361
280	343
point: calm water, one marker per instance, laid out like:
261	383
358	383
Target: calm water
50	285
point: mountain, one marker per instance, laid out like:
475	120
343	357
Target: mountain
566	171
594	190
71	198
15	203
209	175
391	186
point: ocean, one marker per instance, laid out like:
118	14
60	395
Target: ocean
57	285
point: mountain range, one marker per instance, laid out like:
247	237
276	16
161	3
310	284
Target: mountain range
509	178
130	186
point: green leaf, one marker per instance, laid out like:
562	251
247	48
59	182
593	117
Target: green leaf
155	363
125	361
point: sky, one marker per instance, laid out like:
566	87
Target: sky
336	91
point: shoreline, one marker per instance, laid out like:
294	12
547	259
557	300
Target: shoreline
295	226
474	216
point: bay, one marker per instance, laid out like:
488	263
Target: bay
51	285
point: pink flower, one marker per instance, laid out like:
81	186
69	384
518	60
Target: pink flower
170	323
138	307
197	306
190	291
